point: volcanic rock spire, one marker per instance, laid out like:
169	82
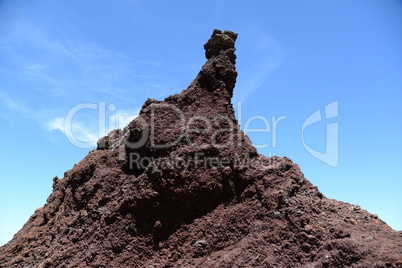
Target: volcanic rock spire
169	166
219	71
182	186
200	119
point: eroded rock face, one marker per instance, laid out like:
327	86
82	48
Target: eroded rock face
182	186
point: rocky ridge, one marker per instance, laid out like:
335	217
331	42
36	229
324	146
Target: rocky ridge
182	186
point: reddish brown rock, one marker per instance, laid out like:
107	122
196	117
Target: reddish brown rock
181	186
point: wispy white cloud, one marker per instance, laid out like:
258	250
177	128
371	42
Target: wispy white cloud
85	134
82	132
267	56
63	65
14	105
77	133
68	70
66	66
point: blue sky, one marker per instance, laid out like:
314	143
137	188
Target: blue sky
294	59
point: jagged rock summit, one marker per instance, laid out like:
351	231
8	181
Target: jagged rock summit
182	186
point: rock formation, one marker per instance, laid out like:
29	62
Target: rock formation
182	186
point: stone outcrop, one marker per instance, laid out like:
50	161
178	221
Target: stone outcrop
182	186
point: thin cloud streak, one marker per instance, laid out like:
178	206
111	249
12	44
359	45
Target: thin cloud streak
63	65
71	69
83	131
15	106
271	56
85	134
77	132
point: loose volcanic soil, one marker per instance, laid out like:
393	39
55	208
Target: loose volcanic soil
182	186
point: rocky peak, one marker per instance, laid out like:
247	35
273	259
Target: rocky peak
182	186
219	72
221	43
199	119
